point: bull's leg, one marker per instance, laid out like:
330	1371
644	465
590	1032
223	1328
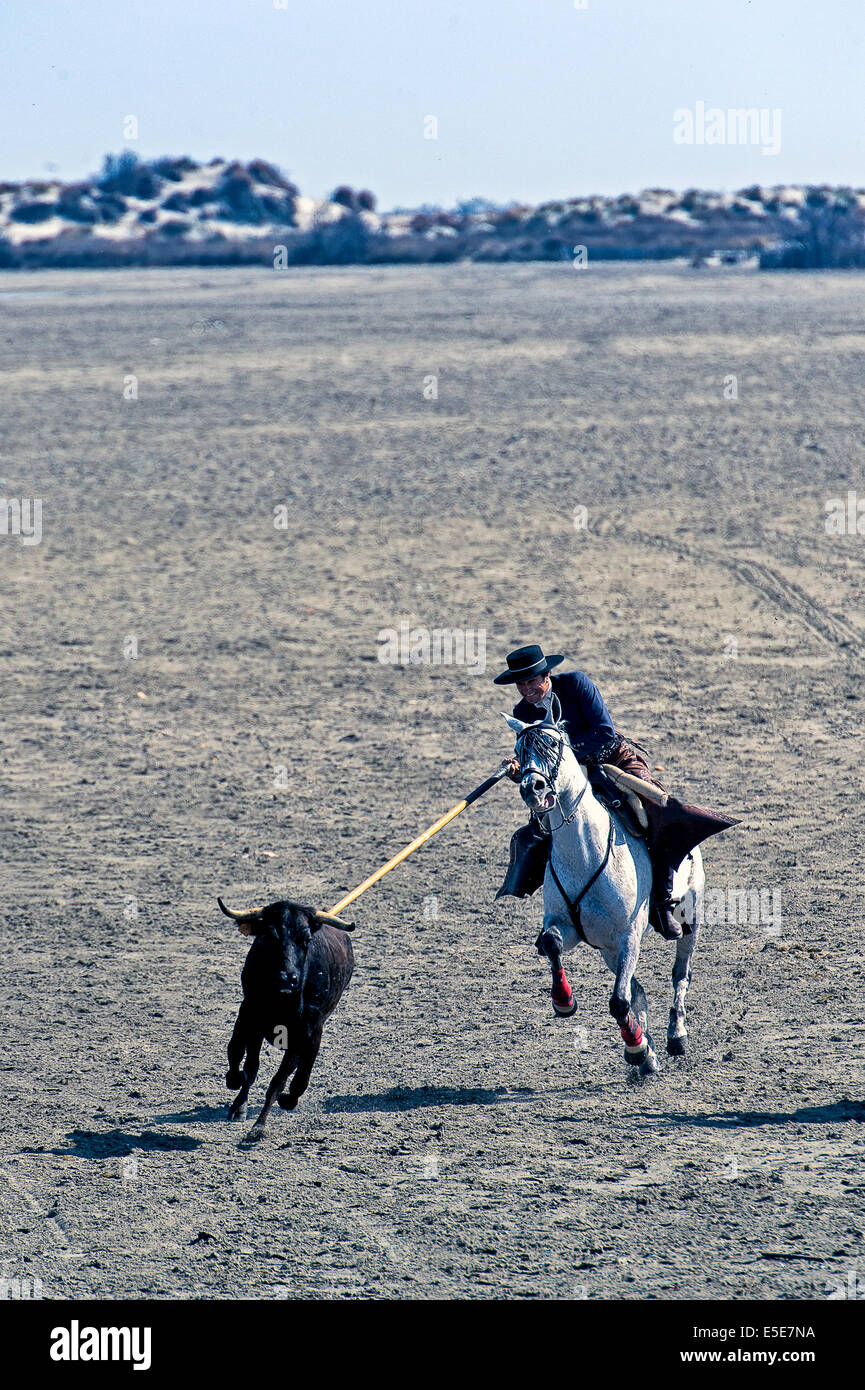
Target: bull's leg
624	964
300	1080
551	944
283	1071
677	1032
246	1040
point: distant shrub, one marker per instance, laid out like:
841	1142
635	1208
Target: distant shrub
263	172
366	200
346	242
236	196
476	207
173	169
177	202
76	209
173	227
279	210
147	185
109	207
120	173
33	212
345	196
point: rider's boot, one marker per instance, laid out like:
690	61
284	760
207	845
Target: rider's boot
662	901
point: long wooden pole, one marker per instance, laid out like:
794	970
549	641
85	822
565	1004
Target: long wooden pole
416	844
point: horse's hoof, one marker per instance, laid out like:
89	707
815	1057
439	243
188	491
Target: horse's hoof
564	1002
237	1112
234	1079
677	1047
286	1102
649	1064
253	1135
636	1056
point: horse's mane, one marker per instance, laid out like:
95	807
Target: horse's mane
539	744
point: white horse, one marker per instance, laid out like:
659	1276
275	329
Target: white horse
597	887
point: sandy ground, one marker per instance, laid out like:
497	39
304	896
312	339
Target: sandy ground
457	1140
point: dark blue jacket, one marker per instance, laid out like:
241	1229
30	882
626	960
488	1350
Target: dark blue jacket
583	710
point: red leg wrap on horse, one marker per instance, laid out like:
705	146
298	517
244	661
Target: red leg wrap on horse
561	989
631	1032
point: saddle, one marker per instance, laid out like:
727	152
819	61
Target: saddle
670	828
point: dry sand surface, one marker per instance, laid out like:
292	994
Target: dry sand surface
457	1140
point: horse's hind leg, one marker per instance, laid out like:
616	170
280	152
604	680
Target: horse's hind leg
624	964
677	1032
640	1006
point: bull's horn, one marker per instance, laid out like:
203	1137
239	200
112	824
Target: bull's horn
333	921
236	916
647	791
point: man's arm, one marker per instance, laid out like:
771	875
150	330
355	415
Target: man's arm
585	695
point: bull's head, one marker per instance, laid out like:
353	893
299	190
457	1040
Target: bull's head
283	931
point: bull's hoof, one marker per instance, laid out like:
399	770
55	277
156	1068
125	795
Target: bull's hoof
677	1047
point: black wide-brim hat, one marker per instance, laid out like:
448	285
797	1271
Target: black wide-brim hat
525	663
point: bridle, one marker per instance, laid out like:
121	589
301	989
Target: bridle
534	741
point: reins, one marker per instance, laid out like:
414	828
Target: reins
539	744
574	907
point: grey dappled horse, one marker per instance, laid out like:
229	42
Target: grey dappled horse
603	869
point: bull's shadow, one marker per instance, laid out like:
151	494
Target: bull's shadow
841	1112
113	1143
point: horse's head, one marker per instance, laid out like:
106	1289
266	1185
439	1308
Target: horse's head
540	749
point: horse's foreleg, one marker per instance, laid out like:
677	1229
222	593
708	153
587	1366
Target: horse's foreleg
551	944
677	1032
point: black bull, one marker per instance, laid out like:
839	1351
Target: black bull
295	973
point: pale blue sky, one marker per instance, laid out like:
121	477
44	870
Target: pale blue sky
534	98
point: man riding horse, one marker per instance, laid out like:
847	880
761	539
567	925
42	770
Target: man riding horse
574	700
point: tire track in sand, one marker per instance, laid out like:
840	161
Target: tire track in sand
782	593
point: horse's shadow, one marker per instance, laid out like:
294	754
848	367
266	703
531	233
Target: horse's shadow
200	1114
841	1112
421	1097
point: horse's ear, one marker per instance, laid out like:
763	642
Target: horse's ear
516	724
